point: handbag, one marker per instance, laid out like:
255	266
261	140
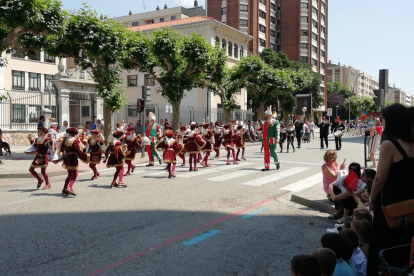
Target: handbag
400	214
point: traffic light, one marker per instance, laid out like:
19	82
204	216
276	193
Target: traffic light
140	105
379	100
146	93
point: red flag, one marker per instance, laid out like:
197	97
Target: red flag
351	181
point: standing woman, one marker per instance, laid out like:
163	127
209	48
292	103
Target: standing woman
393	183
375	134
132	142
217	140
74	150
240	142
228	144
93	147
117	153
42	145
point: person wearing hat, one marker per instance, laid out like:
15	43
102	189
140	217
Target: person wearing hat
115	156
132	142
208	136
73	149
299	130
94	148
171	148
270	139
217	139
42	144
338	126
193	146
239	141
323	132
153	132
228	138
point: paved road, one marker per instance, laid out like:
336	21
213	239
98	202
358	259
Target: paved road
222	220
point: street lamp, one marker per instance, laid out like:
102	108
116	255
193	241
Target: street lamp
304	111
336	111
349	111
251	103
207	80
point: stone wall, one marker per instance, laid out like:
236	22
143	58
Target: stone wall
18	137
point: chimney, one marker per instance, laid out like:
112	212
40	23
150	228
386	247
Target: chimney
165	7
339	64
330	61
158	8
130	12
195	3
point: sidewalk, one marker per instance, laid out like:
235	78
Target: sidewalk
314	198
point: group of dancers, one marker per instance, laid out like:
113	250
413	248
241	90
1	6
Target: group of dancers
193	140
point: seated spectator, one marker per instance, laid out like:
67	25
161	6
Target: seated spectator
358	257
326	259
338	245
305	265
361	215
363	229
330	174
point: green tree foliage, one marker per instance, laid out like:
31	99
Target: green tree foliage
99	46
275	59
361	104
25	24
338	88
178	63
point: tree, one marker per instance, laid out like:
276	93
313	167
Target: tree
177	62
275	59
338	88
361	104
25	24
99	46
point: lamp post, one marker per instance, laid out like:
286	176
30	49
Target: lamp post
208	81
336	112
304	111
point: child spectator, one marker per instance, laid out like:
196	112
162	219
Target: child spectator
362	215
338	245
326	259
363	229
282	138
305	265
358	257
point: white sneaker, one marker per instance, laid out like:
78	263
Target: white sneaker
338	225
332	230
339	221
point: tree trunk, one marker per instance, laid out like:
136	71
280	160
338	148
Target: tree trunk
286	117
261	110
107	124
227	115
176	115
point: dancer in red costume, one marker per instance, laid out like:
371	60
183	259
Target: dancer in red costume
228	144
117	153
132	142
240	142
217	140
183	141
74	150
43	144
208	136
171	148
93	147
193	145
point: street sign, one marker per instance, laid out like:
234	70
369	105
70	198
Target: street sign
329	112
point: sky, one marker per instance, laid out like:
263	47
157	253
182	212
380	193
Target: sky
366	34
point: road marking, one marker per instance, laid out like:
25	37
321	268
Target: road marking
215	170
283	161
304	183
21	201
230	176
170	241
200	238
254	213
275	176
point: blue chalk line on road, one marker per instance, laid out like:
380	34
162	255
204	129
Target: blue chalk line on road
254	213
201	238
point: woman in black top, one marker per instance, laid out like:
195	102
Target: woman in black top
393	179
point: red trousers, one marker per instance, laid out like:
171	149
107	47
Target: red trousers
43	172
72	175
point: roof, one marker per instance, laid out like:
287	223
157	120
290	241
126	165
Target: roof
166	24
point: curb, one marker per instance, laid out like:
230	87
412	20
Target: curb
313	204
28	175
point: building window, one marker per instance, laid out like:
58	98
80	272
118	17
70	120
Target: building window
304	46
262	28
217	41
230	49
17	54
86	111
314	36
314	11
263	2
304	19
241	52
132	111
273	19
323	29
272	33
18	80
49	59
303	59
303	32
314	62
223	43
173	17
273	6
35	56
243	23
262	42
322	53
273	46
322	5
304	6
236	50
223	11
243	8
18	113
314	24
314	50
161	19
149	81
34	81
323	41
126	25
323	17
48	82
132	80
136	23
262	14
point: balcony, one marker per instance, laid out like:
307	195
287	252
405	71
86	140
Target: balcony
322	47
314	43
323	23
278	2
315	30
323	10
262	21
314	56
314	69
278	28
323	35
278	14
278	40
314	3
322	71
315	16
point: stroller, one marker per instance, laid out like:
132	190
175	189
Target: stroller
306	137
394	261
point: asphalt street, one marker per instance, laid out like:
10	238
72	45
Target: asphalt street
222	220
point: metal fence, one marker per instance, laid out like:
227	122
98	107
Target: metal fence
128	113
22	109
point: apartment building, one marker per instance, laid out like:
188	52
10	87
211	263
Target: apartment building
398	95
356	80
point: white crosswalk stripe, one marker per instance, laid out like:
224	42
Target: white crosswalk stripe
213	170
229	176
273	177
304	183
